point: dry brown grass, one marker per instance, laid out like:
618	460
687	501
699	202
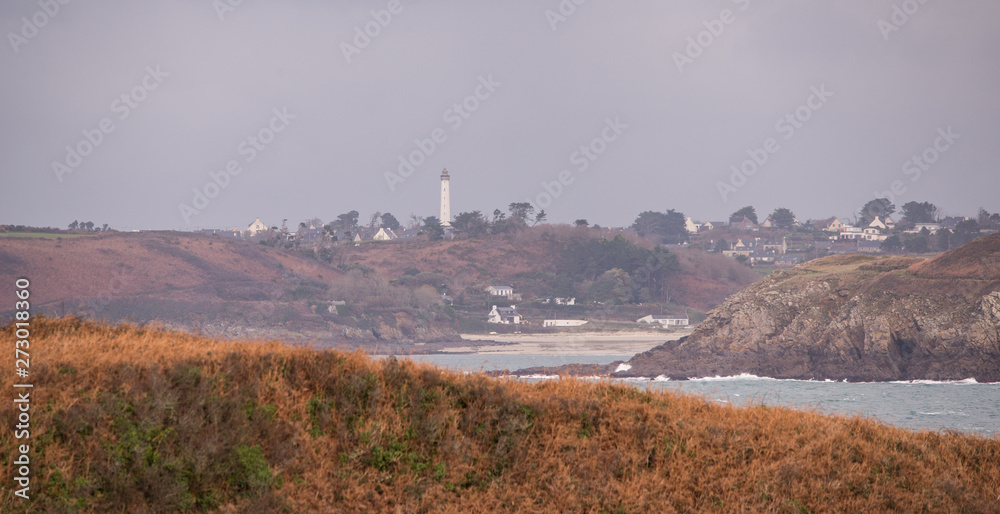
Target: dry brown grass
137	419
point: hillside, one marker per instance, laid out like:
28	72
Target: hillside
129	419
530	261
384	294
853	317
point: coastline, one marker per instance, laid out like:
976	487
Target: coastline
577	343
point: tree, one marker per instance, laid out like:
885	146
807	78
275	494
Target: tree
105	228
75	225
919	212
433	228
611	287
373	220
389	221
581	223
782	218
521	211
892	244
917	243
674	229
540	217
648	222
747	211
880	208
669	227
472	224
348	221
942	240
965	231
89	226
328	231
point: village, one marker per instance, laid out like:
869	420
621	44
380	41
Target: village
780	241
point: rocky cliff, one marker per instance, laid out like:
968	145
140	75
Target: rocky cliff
853	317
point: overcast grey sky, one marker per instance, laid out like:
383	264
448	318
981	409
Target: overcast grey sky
671	116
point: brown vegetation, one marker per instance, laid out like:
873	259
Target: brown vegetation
141	420
236	288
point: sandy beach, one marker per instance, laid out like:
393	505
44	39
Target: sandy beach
578	343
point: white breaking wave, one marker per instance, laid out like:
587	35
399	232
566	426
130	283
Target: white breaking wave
741	376
623	367
968	381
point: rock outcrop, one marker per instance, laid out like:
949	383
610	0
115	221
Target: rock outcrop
853	317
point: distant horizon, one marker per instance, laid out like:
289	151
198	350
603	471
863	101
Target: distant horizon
403	220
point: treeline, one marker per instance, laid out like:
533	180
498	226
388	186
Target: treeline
519	215
88	226
29	228
616	271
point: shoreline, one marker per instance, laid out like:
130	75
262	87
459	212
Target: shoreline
580	343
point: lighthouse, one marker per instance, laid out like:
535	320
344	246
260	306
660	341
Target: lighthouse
445	199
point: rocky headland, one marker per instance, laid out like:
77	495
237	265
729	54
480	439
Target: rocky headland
853	317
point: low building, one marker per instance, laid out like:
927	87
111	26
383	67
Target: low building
710	225
742	223
504	291
787	260
919	227
666	321
870	246
504	315
563	322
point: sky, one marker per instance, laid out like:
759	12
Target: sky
196	114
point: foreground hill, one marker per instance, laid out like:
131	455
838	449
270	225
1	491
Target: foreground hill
129	419
853	317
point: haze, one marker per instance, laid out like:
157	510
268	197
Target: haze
201	79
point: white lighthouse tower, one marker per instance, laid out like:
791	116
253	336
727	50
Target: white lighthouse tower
445	199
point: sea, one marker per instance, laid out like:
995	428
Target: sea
964	406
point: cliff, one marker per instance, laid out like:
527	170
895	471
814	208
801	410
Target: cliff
853	317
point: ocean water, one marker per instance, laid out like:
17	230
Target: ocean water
964	406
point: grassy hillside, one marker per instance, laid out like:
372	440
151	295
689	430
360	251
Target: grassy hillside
392	291
142	420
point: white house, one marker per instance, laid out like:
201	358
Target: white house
563	322
849	232
874	234
504	291
256	227
384	234
931	227
691	226
504	315
666	321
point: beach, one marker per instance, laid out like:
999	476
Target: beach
576	343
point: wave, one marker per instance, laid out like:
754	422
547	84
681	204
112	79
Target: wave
967	381
741	376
